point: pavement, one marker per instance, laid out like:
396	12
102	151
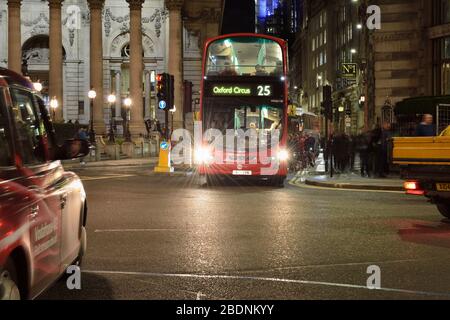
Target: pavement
350	181
159	237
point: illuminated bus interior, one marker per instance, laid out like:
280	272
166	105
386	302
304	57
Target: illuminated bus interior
244	56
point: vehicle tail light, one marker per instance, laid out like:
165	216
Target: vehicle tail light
413	187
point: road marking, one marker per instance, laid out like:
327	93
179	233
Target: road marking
349	264
295	184
265	279
131	230
86	178
200	295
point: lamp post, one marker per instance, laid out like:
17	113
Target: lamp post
53	106
172	111
92	95
127	102
111	101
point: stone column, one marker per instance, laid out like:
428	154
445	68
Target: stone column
148	95
14	36
118	96
56	56
137	125
176	57
96	62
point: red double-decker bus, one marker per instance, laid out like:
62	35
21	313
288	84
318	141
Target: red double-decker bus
244	108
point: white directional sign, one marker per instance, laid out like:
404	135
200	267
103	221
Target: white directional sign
162	104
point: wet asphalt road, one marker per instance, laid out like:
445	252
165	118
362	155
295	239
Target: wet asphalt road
158	237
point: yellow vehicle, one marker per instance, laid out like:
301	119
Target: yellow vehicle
425	166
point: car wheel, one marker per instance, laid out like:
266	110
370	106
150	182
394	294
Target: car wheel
444	209
83	247
9	289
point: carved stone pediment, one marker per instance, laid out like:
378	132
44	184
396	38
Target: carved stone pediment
123	39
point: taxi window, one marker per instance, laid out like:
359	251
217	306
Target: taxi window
27	127
6	158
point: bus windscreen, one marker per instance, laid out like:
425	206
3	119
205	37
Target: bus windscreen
244	56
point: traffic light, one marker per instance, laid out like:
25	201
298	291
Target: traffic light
163	90
160	86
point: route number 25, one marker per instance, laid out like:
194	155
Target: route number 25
264	91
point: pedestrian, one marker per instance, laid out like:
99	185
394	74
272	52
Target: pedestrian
375	149
310	144
426	127
82	135
383	163
362	147
352	152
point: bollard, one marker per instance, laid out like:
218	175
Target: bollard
116	152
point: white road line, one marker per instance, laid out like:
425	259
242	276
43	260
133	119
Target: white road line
131	230
265	279
108	177
333	265
295	184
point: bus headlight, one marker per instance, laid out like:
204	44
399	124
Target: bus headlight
203	156
283	155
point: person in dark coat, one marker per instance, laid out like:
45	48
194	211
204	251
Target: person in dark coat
375	149
383	165
426	127
362	147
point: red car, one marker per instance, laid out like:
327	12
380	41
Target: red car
42	207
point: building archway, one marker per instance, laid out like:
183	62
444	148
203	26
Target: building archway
36	59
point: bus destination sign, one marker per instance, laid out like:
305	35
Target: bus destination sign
241	90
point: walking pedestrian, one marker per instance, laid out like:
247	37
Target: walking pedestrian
362	147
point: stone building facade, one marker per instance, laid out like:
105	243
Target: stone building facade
408	57
113	46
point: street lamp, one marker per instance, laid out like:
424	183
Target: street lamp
92	95
37	86
112	101
54	106
127	102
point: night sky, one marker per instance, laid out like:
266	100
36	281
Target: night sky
239	16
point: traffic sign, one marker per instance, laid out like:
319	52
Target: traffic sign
164	145
349	70
162	105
